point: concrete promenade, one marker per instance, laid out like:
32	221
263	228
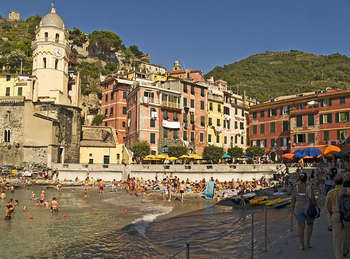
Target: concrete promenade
288	247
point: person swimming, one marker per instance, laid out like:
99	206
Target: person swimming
10	209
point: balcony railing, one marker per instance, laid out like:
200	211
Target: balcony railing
172	105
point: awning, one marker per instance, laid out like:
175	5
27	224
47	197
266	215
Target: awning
171	124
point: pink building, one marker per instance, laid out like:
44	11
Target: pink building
143	115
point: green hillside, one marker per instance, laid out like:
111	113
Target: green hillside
273	74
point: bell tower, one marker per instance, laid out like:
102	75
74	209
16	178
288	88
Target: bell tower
50	59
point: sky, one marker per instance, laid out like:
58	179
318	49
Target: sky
203	34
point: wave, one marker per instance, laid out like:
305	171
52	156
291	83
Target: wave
141	224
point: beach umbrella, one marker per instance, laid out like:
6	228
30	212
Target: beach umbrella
288	156
226	156
245	156
172	158
161	157
149	156
184	157
195	157
305	152
330	150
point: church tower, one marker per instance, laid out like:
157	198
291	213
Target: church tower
50	59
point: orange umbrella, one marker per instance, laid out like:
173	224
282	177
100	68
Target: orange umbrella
288	156
307	157
331	150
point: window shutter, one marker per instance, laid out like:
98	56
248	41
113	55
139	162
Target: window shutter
337	117
329	119
347	116
330	101
321	119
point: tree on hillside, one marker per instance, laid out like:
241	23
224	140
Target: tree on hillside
255	151
213	153
109	68
141	149
177	150
33	22
103	44
135	50
235	152
77	36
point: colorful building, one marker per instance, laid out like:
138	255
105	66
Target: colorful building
15	85
216	117
288	123
99	145
114	105
143	111
170	115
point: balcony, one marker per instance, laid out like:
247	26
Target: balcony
307	109
171	105
215	98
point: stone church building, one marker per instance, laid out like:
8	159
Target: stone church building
40	117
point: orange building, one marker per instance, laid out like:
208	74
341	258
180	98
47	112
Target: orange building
114	105
287	123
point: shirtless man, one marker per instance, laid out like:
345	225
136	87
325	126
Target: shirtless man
42	197
54	205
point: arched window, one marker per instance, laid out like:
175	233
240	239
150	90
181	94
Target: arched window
57	38
46	36
56	63
44	61
7	135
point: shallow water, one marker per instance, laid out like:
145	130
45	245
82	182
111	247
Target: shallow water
212	231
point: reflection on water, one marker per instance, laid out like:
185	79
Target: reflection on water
212	231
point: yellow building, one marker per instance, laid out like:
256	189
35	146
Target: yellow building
100	146
215	118
13	85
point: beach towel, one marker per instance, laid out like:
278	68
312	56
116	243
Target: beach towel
209	190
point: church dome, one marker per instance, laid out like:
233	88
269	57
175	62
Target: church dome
52	19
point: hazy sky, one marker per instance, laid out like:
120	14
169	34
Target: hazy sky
202	34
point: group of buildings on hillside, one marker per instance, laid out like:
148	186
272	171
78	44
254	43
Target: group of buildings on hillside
180	108
41	116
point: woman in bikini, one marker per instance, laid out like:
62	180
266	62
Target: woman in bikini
301	195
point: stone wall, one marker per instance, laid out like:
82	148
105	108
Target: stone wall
11	118
35	156
193	172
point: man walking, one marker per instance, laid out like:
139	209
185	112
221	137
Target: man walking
339	226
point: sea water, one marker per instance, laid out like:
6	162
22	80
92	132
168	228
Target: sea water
122	226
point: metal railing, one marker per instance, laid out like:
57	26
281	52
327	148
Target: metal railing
173	105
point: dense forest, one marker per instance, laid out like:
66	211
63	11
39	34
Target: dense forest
272	74
16	51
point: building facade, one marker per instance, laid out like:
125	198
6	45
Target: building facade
99	145
40	116
143	109
114	105
288	123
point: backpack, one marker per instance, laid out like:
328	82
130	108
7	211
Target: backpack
313	211
344	206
